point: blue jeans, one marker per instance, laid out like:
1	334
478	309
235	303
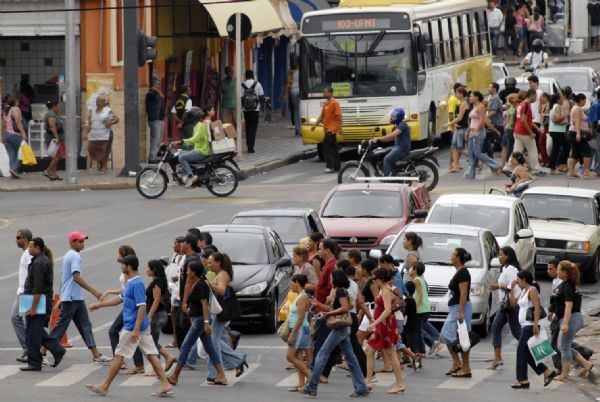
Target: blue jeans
391	158
319	337
500	320
75	311
458	139
185	158
524	356
429	334
13	143
476	152
495	36
337	337
508	141
222	349
566	340
196	331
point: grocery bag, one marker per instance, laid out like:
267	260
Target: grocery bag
540	347
284	311
52	148
463	336
28	157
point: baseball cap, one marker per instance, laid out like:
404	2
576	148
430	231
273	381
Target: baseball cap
74	236
131	260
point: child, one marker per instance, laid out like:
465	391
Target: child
412	325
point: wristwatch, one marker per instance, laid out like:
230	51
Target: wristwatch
206	322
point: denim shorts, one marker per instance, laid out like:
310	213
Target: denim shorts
302	338
449	331
400	345
458	138
508	138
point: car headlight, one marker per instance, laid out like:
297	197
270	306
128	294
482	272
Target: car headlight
253	290
578	245
476	290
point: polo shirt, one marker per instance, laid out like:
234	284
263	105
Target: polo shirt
133	296
69	289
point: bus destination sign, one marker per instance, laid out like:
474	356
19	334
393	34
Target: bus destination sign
352	22
356	24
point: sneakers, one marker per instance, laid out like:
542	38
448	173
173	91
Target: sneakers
46	362
328	170
190	181
103	359
23	358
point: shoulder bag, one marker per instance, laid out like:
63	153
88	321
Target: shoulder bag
340	321
284	331
529	316
398	303
230	305
214	307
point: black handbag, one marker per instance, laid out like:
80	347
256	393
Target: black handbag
586	135
529	316
505	306
230	305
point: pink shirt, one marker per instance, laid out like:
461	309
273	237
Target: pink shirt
584	126
475	120
8	120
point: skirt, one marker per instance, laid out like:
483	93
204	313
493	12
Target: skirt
99	150
449	332
302	338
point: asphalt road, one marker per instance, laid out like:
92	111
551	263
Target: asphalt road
113	218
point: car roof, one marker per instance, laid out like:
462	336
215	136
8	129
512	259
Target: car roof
444	228
543	80
567	70
568	191
296	212
233	228
477	199
371	186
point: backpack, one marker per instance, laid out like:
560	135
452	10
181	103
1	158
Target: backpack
250	97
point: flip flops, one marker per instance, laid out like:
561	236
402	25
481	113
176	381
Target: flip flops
95	390
162	394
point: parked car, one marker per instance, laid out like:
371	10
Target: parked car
565	225
291	224
261	270
504	216
499	72
548	85
580	79
369	215
439	241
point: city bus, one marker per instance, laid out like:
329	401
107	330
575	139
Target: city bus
378	55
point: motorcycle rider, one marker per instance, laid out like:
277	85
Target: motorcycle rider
510	87
199	141
401	138
537	58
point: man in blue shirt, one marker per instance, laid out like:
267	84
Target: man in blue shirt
593	119
401	138
72	304
136	329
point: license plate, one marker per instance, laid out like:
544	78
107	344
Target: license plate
543	259
434	307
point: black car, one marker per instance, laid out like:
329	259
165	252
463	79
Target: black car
261	270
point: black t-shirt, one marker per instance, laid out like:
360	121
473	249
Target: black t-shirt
509	23
594	12
567	292
411	321
199	292
366	292
150	296
339	293
462	275
183	274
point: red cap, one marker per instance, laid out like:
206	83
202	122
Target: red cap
74	236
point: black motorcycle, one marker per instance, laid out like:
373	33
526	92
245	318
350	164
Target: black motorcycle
214	173
420	163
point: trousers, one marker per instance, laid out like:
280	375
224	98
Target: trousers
36	337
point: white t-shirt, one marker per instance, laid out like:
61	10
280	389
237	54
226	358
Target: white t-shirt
535	59
259	90
535	107
495	18
353	293
508	275
23	270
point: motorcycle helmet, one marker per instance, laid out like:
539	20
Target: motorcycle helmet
537	45
192	116
510	82
397	116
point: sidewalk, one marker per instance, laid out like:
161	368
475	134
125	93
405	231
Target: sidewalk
586	56
276	146
590	337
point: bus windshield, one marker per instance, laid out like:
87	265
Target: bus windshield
358	65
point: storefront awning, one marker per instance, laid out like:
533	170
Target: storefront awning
29	18
266	16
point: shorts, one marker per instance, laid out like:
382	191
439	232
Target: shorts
400	345
508	139
302	338
364	324
579	149
449	331
126	348
458	138
595	30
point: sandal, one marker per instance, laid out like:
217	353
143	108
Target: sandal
587	372
46	174
520	385
496	365
466	374
135	370
453	370
573	177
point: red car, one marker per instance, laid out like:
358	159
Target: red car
369	215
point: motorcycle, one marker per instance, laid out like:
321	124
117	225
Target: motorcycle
420	163
214	173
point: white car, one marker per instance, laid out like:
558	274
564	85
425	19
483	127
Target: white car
504	216
565	225
439	241
499	72
580	79
548	85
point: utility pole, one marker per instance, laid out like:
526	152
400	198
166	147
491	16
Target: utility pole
240	79
71	137
132	132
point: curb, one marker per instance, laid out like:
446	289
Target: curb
71	187
244	174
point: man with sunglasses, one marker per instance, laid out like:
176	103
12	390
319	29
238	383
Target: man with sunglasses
24	236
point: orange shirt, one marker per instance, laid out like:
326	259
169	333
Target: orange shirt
331	116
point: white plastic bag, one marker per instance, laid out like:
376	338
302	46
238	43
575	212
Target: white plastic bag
463	336
4	167
52	148
214	306
201	352
540	347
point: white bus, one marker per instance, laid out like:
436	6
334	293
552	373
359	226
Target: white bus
381	54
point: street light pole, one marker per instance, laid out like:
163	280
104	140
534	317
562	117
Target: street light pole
132	133
71	137
240	79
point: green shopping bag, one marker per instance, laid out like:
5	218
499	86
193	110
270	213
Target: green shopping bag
540	347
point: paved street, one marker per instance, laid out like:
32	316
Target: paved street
112	218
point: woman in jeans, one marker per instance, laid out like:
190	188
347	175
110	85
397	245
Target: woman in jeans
299	339
197	309
369	292
15	134
559	117
505	314
567	307
528	298
429	334
579	137
339	303
220	265
459	309
461	123
476	137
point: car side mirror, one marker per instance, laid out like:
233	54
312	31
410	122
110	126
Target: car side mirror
419	214
495	263
375	254
285	262
524	234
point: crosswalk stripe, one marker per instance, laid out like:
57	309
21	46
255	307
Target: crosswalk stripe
8	370
139	380
282	178
537	382
323	179
466	383
231	381
69	376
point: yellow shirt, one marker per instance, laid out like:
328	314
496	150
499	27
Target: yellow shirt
453	103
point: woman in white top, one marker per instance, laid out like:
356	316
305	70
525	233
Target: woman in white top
527	299
99	132
505	313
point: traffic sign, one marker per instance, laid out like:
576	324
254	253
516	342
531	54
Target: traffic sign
245	27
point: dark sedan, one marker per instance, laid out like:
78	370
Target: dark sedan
261	270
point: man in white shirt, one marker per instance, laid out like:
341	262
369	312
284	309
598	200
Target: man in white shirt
24	236
534	83
537	58
495	19
252	94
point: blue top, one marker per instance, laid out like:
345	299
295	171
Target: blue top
399	283
594	113
133	296
70	290
293	316
403	140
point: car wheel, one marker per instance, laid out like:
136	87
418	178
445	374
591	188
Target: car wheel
270	325
592	275
484	329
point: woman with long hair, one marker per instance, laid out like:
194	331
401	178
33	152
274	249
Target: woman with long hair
460	124
369	292
558	119
429	334
14	134
476	137
579	138
519	175
506	313
220	265
299	339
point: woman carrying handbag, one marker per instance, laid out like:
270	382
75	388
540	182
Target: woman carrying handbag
299	330
339	320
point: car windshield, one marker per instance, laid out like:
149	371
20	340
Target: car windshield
364	204
438	247
496	219
242	248
377	64
290	228
579	82
544	86
559	207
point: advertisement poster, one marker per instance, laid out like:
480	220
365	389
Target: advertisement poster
97	84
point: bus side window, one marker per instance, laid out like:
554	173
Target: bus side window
481	31
448	40
459	43
432	43
441	45
475	34
467	33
